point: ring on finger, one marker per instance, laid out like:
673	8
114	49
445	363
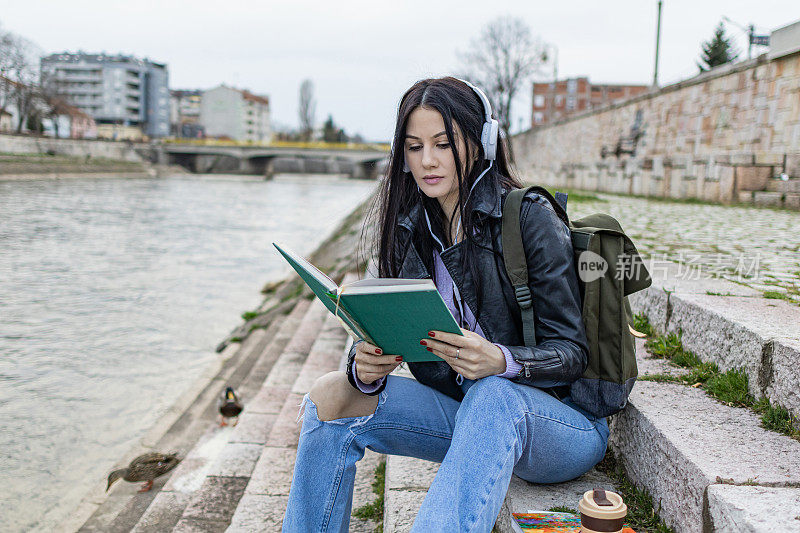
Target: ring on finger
458	352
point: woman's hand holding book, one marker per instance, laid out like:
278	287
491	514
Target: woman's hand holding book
469	354
372	364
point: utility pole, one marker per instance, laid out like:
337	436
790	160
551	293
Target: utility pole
658	42
750	31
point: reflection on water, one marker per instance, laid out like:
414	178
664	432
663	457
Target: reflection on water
113	294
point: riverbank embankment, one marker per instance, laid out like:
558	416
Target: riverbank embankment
24	166
23	157
190	427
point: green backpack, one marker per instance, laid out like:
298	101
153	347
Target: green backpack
597	240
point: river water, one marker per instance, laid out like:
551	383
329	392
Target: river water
113	295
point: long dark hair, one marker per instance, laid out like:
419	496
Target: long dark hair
458	103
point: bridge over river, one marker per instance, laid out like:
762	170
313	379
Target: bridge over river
357	160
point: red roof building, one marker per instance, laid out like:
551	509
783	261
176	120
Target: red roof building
555	101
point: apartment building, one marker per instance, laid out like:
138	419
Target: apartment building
120	92
185	114
227	112
555	101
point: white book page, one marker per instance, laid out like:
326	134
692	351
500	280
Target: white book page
381	282
373	286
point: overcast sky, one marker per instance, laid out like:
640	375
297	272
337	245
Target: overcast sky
362	55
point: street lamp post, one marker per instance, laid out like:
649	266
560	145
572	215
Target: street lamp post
658	42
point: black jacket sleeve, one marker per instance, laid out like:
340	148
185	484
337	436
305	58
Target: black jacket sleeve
561	351
350	376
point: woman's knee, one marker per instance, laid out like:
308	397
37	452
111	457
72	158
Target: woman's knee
336	398
492	393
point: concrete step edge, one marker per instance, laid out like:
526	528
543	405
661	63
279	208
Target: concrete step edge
731	325
99	505
267	491
166	510
224	485
676	442
196	419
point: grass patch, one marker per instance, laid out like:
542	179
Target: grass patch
777	418
235	339
777	295
563	509
642	517
374	510
641	324
712	293
249	315
728	387
666	347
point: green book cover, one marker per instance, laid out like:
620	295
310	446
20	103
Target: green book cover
393	314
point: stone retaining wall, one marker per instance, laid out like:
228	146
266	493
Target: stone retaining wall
25	144
722	136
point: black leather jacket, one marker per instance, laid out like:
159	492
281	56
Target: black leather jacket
560	356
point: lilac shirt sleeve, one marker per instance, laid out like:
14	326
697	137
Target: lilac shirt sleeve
512	367
363	387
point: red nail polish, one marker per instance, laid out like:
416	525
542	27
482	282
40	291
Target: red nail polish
378	351
398	358
429	349
431	334
423	343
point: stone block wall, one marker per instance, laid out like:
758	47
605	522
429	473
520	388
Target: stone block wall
23	144
723	136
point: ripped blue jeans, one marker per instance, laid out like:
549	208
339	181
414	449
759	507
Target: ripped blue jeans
499	428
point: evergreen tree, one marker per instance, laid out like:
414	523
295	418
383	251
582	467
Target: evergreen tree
330	131
718	51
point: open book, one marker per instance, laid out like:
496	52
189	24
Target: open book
393	314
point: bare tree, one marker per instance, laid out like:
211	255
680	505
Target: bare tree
501	60
54	99
6	55
19	69
306	109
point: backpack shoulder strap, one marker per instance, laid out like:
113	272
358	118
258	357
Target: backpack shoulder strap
516	265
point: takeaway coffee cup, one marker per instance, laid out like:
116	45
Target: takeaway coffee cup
602	511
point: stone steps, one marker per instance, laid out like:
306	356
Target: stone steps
703	461
123	504
264	501
263	504
211	506
123	508
215	446
733	327
711	467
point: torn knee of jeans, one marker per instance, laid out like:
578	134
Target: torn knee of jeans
361	420
308	414
301	411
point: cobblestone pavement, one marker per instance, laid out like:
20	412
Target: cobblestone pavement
757	247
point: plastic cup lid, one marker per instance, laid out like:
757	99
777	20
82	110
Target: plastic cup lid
603	504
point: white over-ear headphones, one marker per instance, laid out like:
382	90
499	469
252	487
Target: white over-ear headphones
490	130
